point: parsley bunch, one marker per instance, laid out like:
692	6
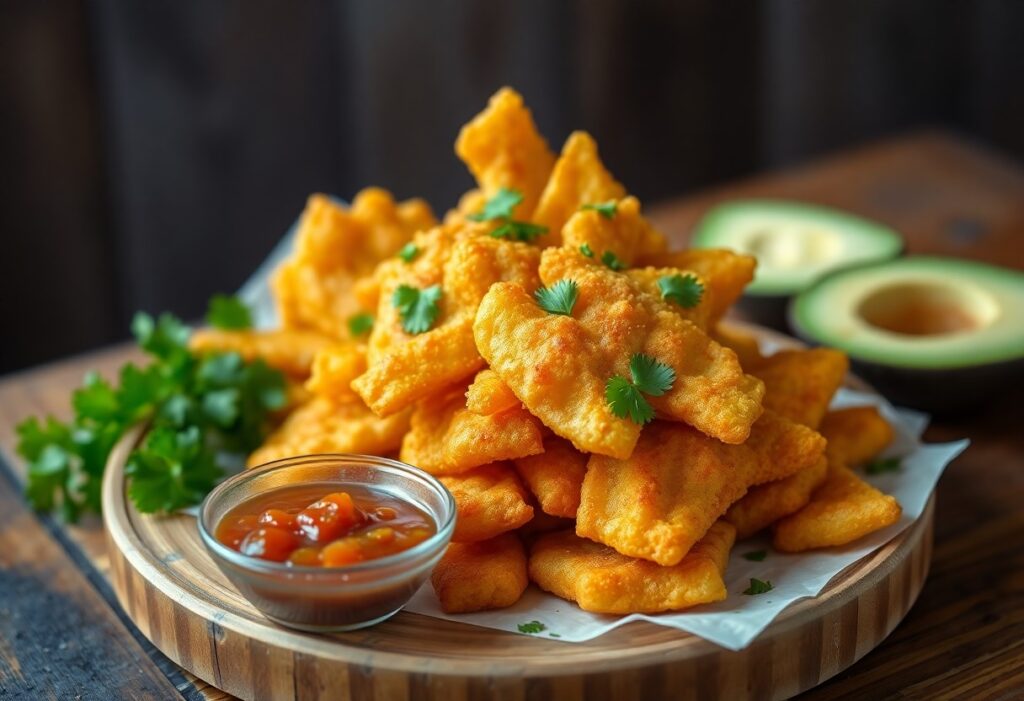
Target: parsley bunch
648	376
499	209
201	409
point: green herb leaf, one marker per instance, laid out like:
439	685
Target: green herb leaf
228	312
409	252
417	308
519	231
532	627
586	250
554	635
884	465
605	209
171	469
95	400
684	290
651	376
360	324
756	555
559	298
500	206
625	401
612	261
757	587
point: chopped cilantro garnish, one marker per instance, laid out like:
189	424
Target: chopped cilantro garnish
612	261
499	209
409	252
757	587
554	635
559	298
228	312
519	231
756	555
359	324
586	250
649	376
684	290
532	627
884	465
417	308
605	209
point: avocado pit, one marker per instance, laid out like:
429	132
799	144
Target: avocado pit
927	309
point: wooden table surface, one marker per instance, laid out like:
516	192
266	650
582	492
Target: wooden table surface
62	634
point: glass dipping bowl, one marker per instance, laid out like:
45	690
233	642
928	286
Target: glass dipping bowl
331	599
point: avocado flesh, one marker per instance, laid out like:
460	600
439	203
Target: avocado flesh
795	244
919	312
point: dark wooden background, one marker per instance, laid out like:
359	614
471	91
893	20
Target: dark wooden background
151	153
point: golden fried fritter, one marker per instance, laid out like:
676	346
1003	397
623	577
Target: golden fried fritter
627	233
745	345
842	510
555	477
578	178
289	350
487	394
799	384
855	435
502	148
601	580
325	426
662	500
334	368
334	248
403	368
446	438
725	272
490	574
766	503
490	499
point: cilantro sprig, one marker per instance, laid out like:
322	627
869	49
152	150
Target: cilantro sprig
684	290
605	209
883	465
756	555
200	408
758	587
417	308
228	312
560	298
626	396
360	324
499	209
408	252
532	627
586	250
612	261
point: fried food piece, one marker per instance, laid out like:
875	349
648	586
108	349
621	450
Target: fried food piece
334	368
555	477
766	503
663	499
558	365
627	234
403	368
334	248
855	435
799	384
601	580
726	272
488	394
446	438
842	510
578	178
745	345
490	574
502	148
325	426
289	350
490	499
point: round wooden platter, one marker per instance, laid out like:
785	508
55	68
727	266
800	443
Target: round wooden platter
179	599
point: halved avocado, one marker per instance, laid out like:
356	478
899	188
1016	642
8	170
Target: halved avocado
795	244
934	333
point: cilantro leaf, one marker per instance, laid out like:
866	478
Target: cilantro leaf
612	261
500	206
684	290
409	252
586	250
651	376
605	209
360	324
95	400
625	400
883	465
166	337
559	298
171	469
757	587
532	627
519	231
756	555
228	312
418	308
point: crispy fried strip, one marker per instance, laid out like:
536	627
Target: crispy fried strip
490	574
290	351
490	499
555	476
766	503
799	384
855	435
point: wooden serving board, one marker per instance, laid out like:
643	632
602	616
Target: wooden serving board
174	592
